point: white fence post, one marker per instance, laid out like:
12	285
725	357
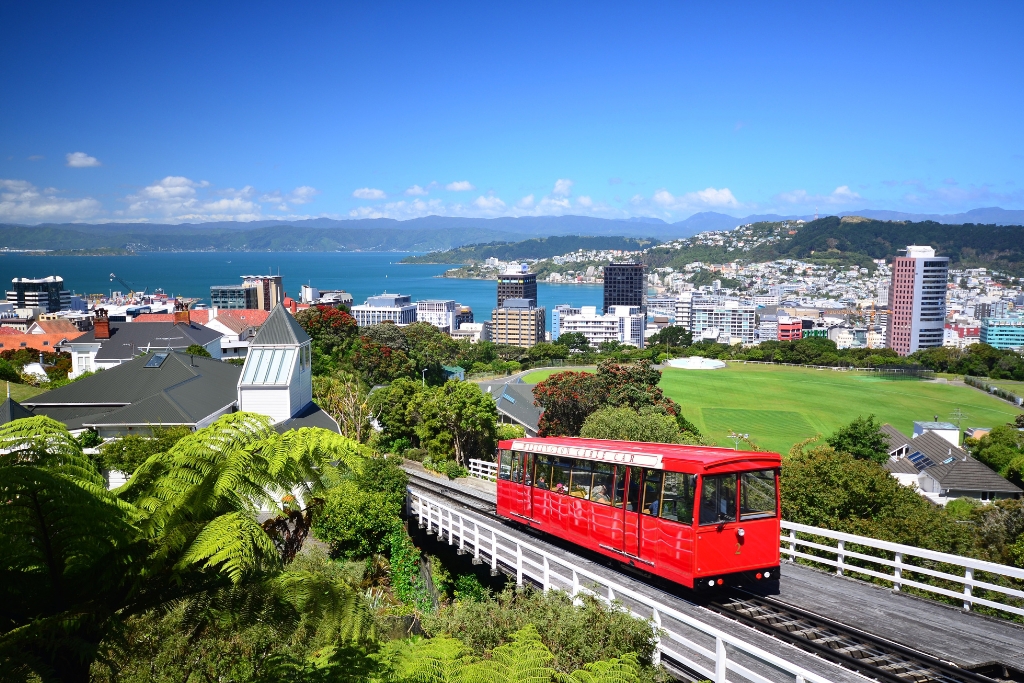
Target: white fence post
840	557
494	553
897	573
519	565
792	545
968	585
720	660
656	657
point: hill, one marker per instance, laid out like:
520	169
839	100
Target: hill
535	248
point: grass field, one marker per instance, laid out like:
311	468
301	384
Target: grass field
20	392
779	406
541	375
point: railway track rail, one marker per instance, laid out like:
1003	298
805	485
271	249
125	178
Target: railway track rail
877	658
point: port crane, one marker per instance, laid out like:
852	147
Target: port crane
131	288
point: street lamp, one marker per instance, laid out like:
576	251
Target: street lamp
736	438
424	376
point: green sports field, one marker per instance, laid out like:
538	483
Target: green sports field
779	406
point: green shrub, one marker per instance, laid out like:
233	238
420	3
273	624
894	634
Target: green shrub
356	523
9	373
417	454
575	634
506	432
128	452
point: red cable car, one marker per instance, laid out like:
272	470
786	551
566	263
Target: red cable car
700	516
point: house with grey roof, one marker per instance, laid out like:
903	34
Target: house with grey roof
11	410
941	471
514	401
110	344
277	378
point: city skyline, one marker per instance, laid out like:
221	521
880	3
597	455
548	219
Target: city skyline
160	114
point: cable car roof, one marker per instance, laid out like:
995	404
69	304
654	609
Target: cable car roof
673	457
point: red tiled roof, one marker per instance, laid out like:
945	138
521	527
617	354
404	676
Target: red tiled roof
38	342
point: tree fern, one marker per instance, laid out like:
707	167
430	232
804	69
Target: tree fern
625	669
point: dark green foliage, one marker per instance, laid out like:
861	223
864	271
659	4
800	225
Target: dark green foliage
356	523
197	350
235	361
127	453
8	373
979	360
383	475
89	439
862	440
574	341
576	635
672	336
705	277
468	588
999	448
625	424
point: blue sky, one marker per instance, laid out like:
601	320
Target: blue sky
173	112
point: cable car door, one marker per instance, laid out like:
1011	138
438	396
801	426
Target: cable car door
526	490
719	540
628	491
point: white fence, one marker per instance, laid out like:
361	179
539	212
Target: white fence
897	569
482	469
683	639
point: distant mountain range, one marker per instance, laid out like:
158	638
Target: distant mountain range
431	233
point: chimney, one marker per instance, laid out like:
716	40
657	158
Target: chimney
101	324
182	315
295	307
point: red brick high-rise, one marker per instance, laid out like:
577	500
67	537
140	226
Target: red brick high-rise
917	300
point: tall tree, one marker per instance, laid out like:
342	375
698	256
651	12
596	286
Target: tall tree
456	419
345	398
861	439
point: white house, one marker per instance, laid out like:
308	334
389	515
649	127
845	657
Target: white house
276	379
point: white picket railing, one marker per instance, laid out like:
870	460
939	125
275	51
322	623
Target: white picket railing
682	638
899	568
482	469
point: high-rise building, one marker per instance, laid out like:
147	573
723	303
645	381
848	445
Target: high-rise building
394	308
516	283
233	297
47	293
683	304
269	292
463	315
733	321
917	300
1003	333
438	312
518	322
624	285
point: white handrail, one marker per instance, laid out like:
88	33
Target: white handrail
526	560
791	544
482	469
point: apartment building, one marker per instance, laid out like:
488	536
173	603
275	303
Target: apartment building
623	324
733	320
395	308
917	300
438	312
518	322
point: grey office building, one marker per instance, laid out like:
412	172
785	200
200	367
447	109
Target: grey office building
517	286
234	297
624	285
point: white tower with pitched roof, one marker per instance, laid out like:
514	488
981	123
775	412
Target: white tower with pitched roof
277	380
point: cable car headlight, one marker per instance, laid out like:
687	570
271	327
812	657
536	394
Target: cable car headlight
741	533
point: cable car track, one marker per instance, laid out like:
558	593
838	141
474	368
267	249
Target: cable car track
874	657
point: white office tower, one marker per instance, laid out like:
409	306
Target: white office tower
395	308
733	321
438	312
683	304
276	380
623	324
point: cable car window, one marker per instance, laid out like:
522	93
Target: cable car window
560	475
582	479
527	469
677	498
757	494
505	465
718	499
632	492
602	490
517	467
652	492
543	472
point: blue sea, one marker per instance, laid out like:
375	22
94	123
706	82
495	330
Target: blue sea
362	274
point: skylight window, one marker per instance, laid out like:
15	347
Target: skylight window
157	360
920	461
268	366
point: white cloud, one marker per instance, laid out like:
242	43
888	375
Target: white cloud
460	186
709	198
841	195
175	198
489	203
369	193
20	200
585	201
303	194
81	160
563	187
526	202
416	191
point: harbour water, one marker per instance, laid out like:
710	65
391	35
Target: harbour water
362	274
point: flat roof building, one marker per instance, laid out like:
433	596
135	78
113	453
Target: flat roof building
917	300
47	294
518	323
624	285
395	308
